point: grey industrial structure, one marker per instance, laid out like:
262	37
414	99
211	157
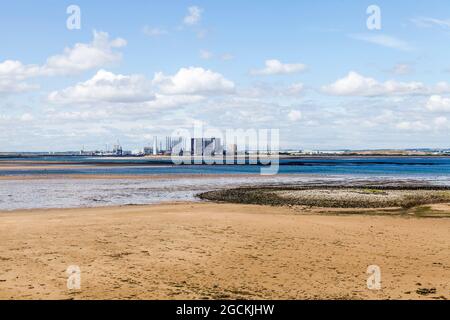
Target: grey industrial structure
206	146
194	146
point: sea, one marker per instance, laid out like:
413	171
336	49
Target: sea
171	183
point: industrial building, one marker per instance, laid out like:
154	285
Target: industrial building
206	146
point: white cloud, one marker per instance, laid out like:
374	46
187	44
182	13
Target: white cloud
412	126
355	84
426	22
12	74
295	115
169	102
79	115
26	117
386	116
383	40
267	90
438	103
273	67
154	32
441	87
106	87
137	93
16	70
440	122
193	81
295	89
83	57
194	16
14	86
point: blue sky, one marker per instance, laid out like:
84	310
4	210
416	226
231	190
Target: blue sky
142	68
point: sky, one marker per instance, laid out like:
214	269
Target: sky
327	74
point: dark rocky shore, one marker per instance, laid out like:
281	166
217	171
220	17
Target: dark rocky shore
360	196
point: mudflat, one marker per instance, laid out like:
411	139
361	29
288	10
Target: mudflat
221	251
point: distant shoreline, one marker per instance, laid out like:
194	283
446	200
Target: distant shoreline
281	156
8	162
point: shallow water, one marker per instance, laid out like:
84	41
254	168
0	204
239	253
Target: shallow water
69	193
74	193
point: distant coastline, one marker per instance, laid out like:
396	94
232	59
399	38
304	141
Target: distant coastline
284	154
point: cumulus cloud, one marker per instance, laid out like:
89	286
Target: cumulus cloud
83	57
273	67
17	70
106	87
12	76
193	81
438	103
194	16
441	87
14	86
79	58
187	86
355	84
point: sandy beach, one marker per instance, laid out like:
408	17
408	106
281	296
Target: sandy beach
206	150
220	251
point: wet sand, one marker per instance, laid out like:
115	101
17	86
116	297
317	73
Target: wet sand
220	251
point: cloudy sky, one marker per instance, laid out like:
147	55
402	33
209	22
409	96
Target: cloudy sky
312	69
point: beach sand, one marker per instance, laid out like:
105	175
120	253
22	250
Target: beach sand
220	251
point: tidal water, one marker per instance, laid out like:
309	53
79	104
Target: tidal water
173	185
407	166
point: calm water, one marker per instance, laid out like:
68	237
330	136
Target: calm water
406	166
70	193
